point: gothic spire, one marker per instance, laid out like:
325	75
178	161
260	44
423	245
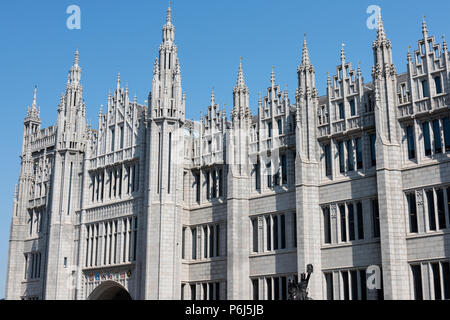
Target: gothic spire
381	34
305	53
213	98
169	15
77	58
240	80
118	81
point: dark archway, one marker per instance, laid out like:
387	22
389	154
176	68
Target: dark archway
110	291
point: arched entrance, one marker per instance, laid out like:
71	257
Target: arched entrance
110	291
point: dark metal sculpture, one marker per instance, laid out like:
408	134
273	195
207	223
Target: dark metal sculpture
299	290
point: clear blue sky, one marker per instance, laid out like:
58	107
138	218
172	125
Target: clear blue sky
37	49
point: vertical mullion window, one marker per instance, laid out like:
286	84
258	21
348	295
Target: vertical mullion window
376	219
268	233
431	210
341	157
183	243
255	285
417	282
446	123
341	111
426	138
437	136
283	231
425	89
284	170
359	153
411	144
436	280
275	233
328	170
346	285
352	108
350	158
446	279
412	213
441	209
194	243
359	211
438	84
327	225
351	221
373	154
363	281
255	234
329	285
343	223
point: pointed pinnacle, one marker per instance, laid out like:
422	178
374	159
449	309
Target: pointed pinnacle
77	58
343	53
424	28
118	81
35	98
240	80
169	14
305	53
272	76
381	34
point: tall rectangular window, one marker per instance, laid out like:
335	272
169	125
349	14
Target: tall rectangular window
425	89
375	219
208	185
275	233
193	292
352	108
437	281
343	223
354	282
438	84
268	233
411	143
441	209
284	174
327	225
113	139
341	157
255	285
359	153
373	154
329	285
363	281
345	282
437	136
351	222
183	243
121	132
426	138
328	170
269	128
255	234
350	158
283	231
446	123
341	111
258	175
412	213
359	215
280	127
446	279
269	174
194	243
417	282
205	242
431	211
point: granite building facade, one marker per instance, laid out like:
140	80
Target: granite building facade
151	205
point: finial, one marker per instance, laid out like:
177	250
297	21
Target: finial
241	81
343	53
305	53
424	28
169	14
77	58
213	97
35	96
118	81
444	43
272	76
